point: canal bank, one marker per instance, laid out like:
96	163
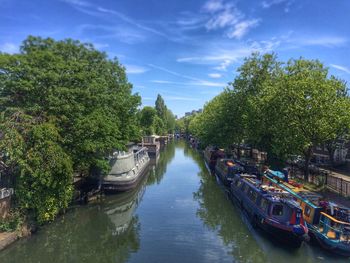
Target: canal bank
178	213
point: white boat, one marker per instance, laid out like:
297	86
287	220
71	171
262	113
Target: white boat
127	169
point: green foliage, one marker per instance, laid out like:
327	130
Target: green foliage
12	222
147	120
159	120
180	125
281	108
64	107
160	107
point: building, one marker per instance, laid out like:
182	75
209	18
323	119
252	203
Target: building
341	153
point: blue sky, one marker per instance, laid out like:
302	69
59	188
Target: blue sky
187	50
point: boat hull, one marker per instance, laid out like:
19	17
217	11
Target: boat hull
336	247
127	185
285	234
223	178
282	235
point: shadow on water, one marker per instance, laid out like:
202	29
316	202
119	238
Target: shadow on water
159	164
107	231
104	232
246	244
184	217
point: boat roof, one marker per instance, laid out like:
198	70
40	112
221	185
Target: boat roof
273	196
275	174
293	193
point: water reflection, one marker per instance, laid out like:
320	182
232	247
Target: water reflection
215	210
105	232
247	244
182	216
160	164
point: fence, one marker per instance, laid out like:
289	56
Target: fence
338	184
335	183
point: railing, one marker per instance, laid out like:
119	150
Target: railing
326	178
333	228
338	184
140	153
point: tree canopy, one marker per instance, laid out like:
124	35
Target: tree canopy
283	108
64	106
159	120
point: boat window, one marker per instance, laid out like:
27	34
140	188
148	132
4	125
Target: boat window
307	211
263	204
252	195
277	210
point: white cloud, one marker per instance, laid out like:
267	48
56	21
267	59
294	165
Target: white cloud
215	75
123	34
285	3
221	59
98	11
341	68
9	48
268	4
242	28
80	3
228	17
193	80
326	41
133	69
129	20
213	6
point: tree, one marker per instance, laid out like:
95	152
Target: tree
309	107
253	87
170	121
76	94
180	125
161	107
283	108
147	120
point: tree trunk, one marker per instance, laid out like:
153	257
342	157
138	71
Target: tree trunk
331	150
238	152
307	156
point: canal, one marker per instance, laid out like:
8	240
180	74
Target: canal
179	213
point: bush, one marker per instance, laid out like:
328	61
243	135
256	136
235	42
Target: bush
11	223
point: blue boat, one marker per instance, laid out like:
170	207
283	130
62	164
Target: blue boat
271	209
329	225
225	169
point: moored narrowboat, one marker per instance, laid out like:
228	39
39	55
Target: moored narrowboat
211	155
270	209
328	223
127	169
225	169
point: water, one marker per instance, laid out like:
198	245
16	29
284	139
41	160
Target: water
179	213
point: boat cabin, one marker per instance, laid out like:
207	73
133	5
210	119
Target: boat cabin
333	228
272	201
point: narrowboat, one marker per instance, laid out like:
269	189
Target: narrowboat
328	223
127	169
225	169
249	167
270	209
211	155
152	144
